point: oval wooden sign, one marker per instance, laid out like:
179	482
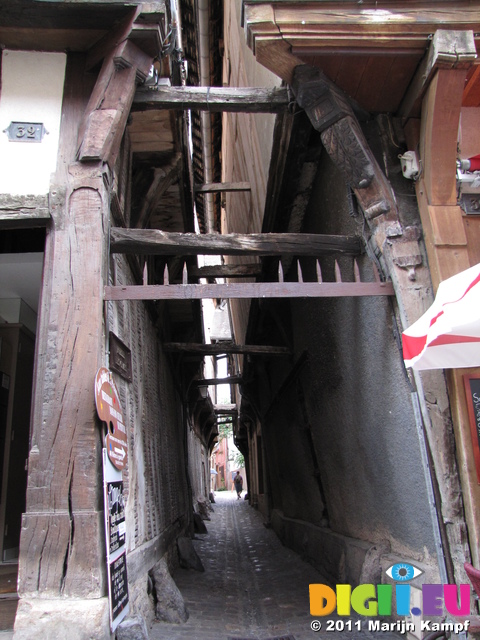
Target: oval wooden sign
110	411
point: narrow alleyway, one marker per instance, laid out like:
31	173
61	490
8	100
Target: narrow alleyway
253	587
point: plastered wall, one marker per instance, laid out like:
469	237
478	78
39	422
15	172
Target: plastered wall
31	91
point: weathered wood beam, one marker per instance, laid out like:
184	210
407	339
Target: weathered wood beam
217	381
226	409
105	118
24	219
153	241
162	180
220	348
330	113
448	50
215	187
23	212
233	99
249	290
103	47
226	271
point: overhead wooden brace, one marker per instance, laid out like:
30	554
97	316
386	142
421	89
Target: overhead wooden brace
241	99
155	242
220	348
206	382
330	113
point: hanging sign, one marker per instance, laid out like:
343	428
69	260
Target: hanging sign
110	411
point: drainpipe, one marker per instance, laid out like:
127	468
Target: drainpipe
205	119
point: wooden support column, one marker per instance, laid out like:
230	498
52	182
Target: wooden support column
62	542
442	219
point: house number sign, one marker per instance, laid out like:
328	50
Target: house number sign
25	131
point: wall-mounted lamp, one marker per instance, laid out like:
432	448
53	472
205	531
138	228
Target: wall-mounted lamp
203	389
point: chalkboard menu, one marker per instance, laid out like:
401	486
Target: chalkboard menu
472	390
118	586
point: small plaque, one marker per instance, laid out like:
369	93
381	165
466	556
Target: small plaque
25	131
120	357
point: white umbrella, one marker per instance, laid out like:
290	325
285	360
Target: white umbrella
447	336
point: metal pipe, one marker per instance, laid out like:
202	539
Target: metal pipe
434	513
203	22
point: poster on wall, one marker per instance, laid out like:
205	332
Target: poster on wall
114	460
116	516
115	533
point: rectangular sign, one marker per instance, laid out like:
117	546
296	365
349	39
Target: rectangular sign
472	390
25	131
116	516
118	589
120	357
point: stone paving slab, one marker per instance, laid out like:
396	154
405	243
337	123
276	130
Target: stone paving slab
253	588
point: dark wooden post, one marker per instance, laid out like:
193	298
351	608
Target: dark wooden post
62	550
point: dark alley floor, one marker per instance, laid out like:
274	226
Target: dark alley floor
252	588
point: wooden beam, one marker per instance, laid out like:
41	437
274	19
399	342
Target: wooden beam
105	118
439	135
220	348
233	99
23	212
162	180
153	241
226	271
249	290
24	219
103	47
226	409
448	50
216	381
215	187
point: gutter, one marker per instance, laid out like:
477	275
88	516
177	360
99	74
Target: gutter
203	13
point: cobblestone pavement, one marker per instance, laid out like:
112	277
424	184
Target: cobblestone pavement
252	588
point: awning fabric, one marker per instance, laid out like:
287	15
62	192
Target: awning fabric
447	336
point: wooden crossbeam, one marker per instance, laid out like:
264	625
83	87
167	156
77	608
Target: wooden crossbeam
219	187
216	381
219	348
226	410
24	219
448	50
154	241
249	290
226	271
233	99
